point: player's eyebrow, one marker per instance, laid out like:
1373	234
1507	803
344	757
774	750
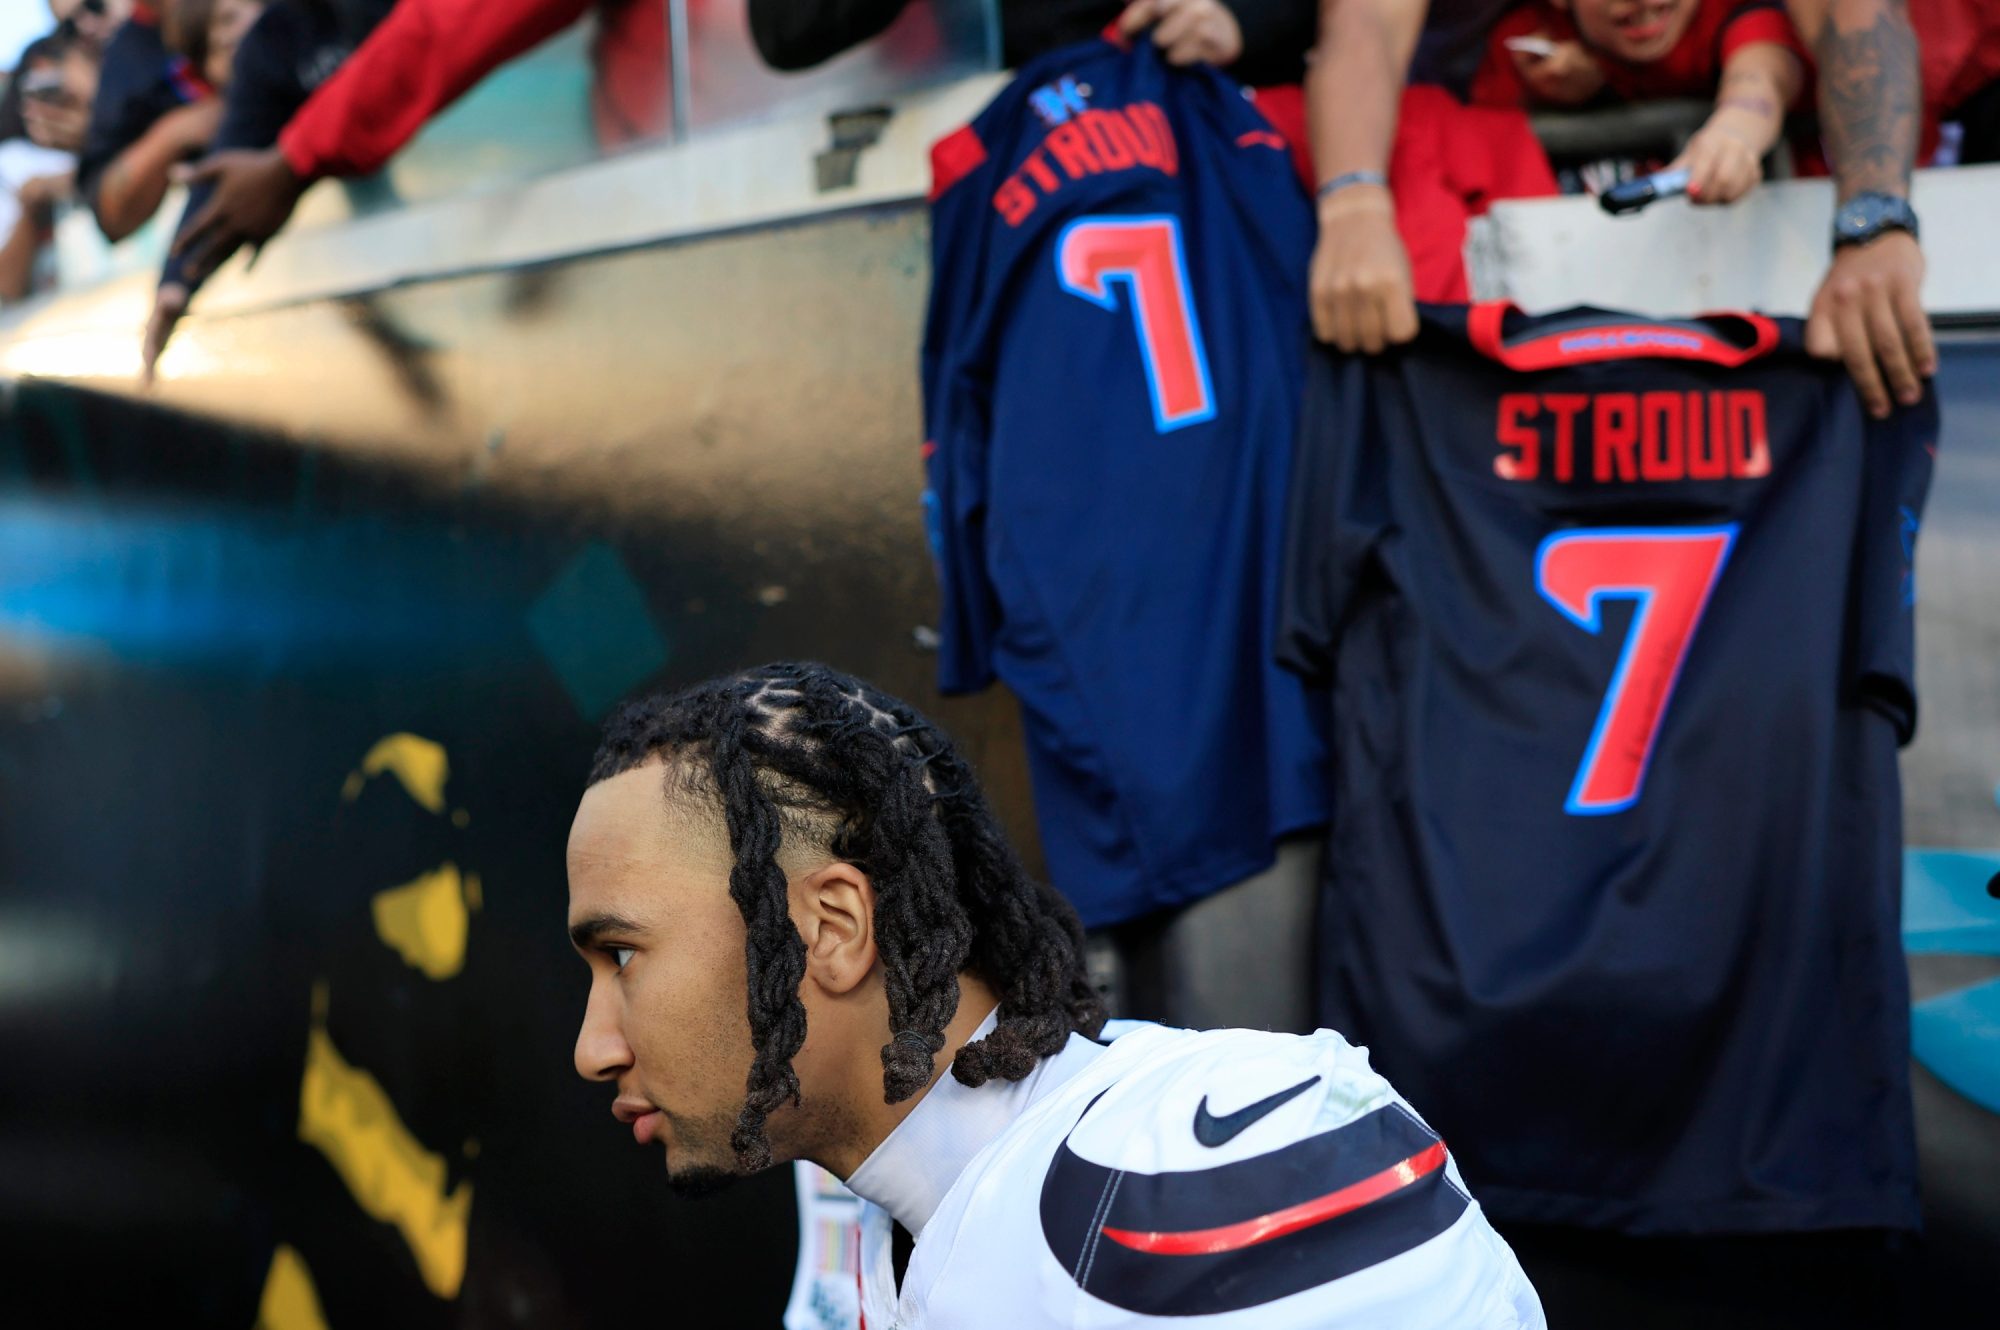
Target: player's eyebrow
583	934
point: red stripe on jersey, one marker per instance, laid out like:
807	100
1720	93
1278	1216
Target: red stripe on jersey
1614	341
1264	1228
954	157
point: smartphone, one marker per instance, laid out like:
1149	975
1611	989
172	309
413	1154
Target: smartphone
1539	47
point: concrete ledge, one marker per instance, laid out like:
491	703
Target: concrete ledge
757	175
1768	252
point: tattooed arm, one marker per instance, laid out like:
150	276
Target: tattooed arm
1866	311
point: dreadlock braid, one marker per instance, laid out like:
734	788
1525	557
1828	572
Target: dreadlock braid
802	754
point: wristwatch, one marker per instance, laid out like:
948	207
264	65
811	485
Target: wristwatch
1866	216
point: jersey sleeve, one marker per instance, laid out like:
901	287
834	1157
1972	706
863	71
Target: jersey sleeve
1269	1183
424	56
1336	512
1756	21
1882	670
957	418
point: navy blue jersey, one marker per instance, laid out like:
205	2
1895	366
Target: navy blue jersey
1617	617
1111	376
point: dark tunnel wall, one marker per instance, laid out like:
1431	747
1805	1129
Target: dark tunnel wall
291	728
298	681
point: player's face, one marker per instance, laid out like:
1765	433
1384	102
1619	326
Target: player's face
666	1020
1636	30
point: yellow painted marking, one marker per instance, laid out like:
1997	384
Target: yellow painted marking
290	1301
425	921
418	763
344	1113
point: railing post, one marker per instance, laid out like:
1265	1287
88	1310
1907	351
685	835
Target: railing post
679	67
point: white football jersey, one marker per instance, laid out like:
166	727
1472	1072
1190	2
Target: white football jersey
1223	1178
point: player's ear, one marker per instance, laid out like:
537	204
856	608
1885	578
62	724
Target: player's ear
834	910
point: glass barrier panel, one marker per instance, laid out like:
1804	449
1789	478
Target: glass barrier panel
931	42
532	115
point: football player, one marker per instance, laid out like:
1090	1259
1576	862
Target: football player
808	938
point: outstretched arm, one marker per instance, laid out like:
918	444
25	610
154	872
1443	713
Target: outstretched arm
423	56
1360	282
1725	159
1867	311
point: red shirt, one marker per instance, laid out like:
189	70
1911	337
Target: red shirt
1959	42
1693	68
428	53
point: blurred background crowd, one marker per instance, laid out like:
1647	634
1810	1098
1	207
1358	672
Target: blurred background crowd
249	102
549	468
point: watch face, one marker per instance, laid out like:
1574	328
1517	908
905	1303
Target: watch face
1866	217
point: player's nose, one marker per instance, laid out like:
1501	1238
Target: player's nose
601	1051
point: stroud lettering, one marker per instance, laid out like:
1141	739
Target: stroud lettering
1632	438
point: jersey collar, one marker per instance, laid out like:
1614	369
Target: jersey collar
909	1173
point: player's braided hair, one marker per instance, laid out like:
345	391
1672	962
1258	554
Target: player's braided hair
802	753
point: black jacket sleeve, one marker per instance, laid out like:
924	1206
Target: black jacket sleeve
1276	36
798	34
265	91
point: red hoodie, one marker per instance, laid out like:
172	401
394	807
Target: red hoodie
428	53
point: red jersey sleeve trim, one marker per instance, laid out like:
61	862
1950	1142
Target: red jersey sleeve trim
954	157
1614	341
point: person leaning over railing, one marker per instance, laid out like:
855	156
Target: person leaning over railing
53	81
154	107
1743	54
1866	311
200	39
270	70
302	119
1259	41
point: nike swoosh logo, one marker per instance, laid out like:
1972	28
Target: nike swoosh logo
1213	1131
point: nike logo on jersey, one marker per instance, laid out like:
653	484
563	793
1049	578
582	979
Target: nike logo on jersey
1213	1131
1241	1234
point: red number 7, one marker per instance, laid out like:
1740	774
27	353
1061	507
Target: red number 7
1670	571
1144	253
